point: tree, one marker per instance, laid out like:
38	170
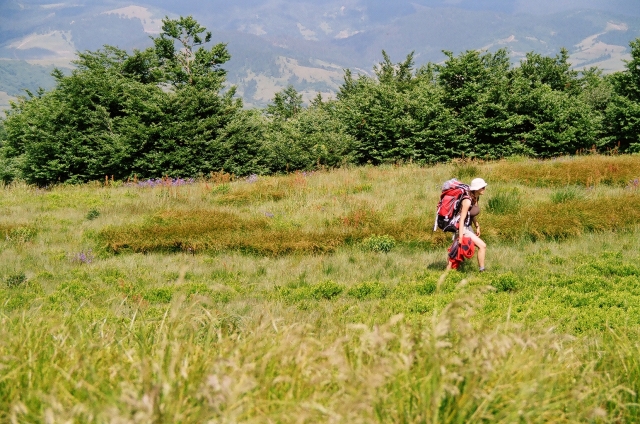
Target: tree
400	75
311	139
182	57
627	83
94	123
381	112
114	115
622	116
287	103
555	72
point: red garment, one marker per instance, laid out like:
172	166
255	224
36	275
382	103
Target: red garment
458	252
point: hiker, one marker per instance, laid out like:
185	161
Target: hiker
469	215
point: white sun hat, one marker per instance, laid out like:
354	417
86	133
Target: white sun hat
477	184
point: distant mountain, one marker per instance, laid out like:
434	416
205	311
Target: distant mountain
308	43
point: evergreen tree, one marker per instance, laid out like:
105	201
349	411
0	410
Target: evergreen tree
622	116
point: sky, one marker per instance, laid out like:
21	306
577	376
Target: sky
623	7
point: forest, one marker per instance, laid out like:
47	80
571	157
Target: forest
167	112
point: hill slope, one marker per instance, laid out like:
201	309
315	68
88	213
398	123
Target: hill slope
307	44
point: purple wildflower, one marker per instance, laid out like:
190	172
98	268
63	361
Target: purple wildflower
252	178
162	182
82	257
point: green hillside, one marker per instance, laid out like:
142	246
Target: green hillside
261	33
16	76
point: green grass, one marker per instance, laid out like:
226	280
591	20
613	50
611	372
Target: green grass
319	298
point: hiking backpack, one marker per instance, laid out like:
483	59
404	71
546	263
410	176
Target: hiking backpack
448	210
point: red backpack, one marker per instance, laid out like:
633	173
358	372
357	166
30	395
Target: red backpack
448	211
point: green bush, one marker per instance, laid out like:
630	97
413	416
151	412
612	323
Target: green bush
326	290
369	290
311	139
506	282
383	243
426	288
159	295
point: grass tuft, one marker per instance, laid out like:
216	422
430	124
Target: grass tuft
566	194
504	202
465	170
92	214
15	280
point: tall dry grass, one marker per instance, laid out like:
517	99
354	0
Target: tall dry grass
217	230
587	171
192	364
548	220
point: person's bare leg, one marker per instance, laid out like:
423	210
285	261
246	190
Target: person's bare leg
481	246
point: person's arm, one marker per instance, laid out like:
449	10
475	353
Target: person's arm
466	204
477	225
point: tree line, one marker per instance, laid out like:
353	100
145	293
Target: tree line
166	111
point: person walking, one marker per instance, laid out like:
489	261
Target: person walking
469	212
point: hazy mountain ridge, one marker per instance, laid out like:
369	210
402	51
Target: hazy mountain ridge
278	42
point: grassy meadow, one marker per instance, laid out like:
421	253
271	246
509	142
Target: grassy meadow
322	297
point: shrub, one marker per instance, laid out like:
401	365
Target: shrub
312	139
426	288
369	290
506	282
159	295
326	290
383	243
